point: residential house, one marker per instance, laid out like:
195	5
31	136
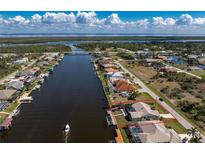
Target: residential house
7	95
123	86
42	64
110	69
26	73
24	60
15	84
113	76
169	69
152	132
141	111
35	70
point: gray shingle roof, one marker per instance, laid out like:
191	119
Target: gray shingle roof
6	94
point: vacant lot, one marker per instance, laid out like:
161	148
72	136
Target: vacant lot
174	124
145	73
199	73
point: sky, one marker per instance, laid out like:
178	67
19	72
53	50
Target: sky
144	22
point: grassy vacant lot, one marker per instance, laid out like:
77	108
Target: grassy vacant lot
35	49
199	73
158	107
145	73
174	124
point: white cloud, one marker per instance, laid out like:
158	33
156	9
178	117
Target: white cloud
159	21
199	21
1	20
142	23
17	20
113	19
89	18
90	22
36	19
185	19
58	18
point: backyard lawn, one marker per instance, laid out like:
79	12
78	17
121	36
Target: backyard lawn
11	107
2	117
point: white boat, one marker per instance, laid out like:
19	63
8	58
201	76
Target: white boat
67	129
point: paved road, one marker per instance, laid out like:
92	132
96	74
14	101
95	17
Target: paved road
183	71
179	118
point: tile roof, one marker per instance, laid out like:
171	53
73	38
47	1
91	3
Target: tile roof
142	109
123	85
154	132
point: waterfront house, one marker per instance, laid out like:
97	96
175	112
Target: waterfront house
110	69
15	84
24	74
35	70
42	64
123	86
152	132
6	124
104	61
141	111
7	94
117	75
3	105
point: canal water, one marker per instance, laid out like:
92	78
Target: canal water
72	94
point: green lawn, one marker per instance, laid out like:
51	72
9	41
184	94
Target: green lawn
2	117
144	96
124	136
11	107
104	84
174	124
121	121
158	107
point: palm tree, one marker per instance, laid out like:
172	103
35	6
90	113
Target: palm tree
195	135
133	95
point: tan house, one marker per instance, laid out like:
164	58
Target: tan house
7	94
153	132
141	111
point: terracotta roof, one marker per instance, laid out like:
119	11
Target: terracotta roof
35	69
123	85
110	69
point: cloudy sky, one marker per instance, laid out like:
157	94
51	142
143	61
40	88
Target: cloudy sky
103	22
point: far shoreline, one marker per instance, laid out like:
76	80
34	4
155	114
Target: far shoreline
42	38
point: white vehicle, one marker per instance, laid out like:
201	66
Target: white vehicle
67	129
